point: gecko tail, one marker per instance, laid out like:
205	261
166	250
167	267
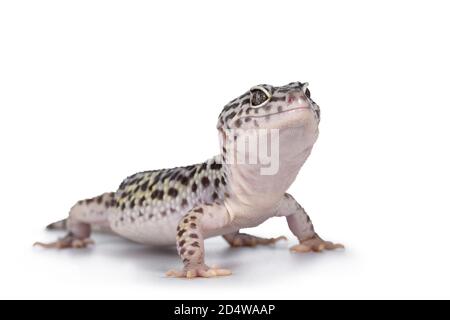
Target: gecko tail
58	225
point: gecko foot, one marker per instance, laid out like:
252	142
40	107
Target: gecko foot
68	241
246	240
199	271
315	244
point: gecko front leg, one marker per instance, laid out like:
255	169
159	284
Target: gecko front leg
191	230
301	226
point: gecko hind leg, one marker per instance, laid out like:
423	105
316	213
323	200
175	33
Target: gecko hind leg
238	239
83	217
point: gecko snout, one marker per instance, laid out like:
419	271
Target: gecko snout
297	99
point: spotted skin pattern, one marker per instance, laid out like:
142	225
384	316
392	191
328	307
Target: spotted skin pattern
186	205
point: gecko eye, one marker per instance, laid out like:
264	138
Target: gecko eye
259	96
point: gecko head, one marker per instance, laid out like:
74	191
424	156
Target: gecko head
269	107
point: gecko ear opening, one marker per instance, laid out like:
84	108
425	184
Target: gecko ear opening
259	96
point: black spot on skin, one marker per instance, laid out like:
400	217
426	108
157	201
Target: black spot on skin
163	214
151	186
215	196
247	119
245	101
154	194
140	214
132	204
267	107
89	201
195	244
230	116
193	218
150	215
158	176
276	99
172	192
194	187
165	176
227	195
192	173
175	175
160	194
181	232
122	206
181	243
230	106
99	199
172	210
186	220
242	96
199	210
106	205
280	108
144	186
193	225
215	166
182	251
216	182
184	180
191	252
224	150
178	228
203	167
205	182
141	200
238	123
184	203
223	181
255	123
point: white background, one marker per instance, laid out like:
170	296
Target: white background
93	91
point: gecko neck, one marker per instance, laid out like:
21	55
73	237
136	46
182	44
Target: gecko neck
249	186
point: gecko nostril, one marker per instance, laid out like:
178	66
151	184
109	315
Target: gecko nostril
291	98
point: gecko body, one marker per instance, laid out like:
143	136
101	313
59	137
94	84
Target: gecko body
220	196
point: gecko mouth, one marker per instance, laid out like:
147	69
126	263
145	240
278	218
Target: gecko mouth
275	113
